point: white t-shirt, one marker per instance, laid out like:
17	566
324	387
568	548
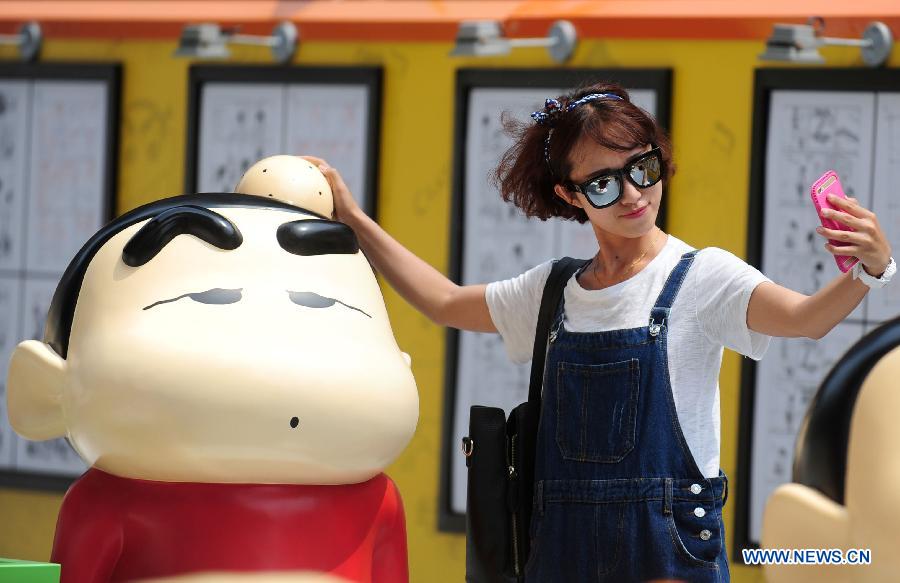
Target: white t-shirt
709	312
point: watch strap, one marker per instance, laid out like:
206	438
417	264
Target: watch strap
859	273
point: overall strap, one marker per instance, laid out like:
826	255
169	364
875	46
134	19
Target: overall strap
660	312
560	273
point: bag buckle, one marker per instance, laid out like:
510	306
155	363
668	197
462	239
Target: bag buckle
468	446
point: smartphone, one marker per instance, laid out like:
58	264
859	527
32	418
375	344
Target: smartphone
829	183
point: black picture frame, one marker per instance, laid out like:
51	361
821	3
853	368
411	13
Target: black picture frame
371	77
111	75
659	80
767	80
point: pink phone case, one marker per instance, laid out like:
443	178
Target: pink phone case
829	183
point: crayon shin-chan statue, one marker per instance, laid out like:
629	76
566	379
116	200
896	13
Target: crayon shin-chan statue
843	496
225	365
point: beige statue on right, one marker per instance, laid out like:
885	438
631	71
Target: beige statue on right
846	489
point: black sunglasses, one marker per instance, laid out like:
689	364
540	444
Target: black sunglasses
603	190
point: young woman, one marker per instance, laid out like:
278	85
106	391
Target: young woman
628	486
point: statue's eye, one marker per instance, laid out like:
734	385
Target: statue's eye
314	300
217	295
311	300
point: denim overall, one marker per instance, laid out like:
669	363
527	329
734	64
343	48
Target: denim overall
618	496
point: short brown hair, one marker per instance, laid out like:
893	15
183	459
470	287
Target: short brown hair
526	178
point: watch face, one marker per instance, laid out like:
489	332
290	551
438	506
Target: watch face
890	270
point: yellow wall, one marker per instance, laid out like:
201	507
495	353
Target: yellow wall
712	110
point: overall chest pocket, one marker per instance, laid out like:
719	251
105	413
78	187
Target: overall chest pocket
596	410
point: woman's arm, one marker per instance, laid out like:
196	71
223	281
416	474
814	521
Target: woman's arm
423	286
777	311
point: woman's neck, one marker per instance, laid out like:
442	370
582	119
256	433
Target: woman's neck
619	258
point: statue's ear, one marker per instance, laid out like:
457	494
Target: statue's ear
34	389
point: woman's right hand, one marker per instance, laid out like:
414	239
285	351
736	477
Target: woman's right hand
345	206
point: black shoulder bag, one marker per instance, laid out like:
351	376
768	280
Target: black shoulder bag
500	459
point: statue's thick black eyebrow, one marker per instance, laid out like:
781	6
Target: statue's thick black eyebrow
317	237
199	221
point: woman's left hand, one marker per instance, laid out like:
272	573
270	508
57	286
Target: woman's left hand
868	243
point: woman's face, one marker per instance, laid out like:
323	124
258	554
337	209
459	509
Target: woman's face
634	214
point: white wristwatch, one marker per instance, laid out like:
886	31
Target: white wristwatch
874	282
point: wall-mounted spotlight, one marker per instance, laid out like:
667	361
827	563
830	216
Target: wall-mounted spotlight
482	38
209	41
28	39
799	43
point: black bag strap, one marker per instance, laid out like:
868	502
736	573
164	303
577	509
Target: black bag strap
556	282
